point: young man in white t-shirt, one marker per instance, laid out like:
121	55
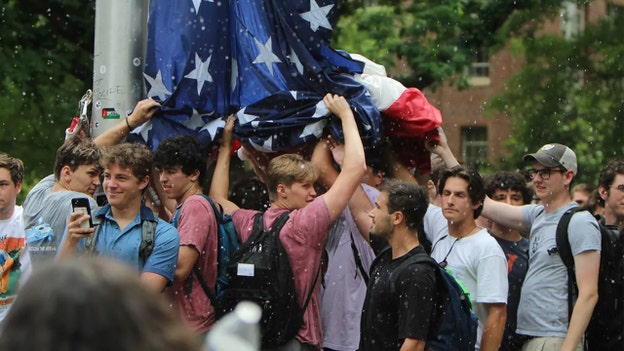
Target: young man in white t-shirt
472	255
14	257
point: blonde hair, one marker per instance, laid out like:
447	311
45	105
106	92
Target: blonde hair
288	169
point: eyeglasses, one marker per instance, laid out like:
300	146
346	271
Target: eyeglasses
620	188
544	173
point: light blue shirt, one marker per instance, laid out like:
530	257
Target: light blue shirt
123	245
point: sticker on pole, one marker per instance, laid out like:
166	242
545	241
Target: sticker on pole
110	113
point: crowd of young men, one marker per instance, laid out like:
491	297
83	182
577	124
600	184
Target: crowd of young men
516	281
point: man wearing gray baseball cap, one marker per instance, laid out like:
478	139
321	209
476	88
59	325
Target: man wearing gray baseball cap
543	309
554	155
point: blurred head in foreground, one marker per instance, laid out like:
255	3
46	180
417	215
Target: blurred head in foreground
91	304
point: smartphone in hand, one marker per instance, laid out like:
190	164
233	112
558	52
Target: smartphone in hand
82	204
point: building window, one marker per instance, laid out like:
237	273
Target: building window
572	19
615	11
479	70
474	146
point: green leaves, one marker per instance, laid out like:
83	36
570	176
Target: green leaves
46	66
570	91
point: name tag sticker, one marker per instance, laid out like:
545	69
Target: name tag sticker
245	270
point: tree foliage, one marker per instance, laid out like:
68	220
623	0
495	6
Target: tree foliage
432	40
569	91
46	66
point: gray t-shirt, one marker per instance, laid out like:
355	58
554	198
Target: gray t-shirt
45	218
543	308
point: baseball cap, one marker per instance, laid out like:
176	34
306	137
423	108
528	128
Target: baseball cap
553	155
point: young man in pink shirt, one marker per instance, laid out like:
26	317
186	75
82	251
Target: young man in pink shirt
290	180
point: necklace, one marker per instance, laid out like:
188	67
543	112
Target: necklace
444	263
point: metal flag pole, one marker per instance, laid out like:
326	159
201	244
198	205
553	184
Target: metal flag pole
120	42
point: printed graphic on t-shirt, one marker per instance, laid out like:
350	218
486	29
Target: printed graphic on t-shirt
10	252
40	237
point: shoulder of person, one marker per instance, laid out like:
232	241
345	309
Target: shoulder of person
196	201
583	219
162	225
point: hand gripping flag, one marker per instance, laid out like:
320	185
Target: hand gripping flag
268	60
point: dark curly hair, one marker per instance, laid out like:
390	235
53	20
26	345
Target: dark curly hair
184	151
502	180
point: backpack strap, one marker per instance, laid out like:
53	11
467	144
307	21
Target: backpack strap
418	258
204	286
258	231
358	260
91	240
275	229
305	304
148	230
217	212
441	288
219	218
565	252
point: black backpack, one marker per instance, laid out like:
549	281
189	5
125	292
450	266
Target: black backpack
260	272
455	325
604	331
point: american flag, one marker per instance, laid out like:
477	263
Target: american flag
268	61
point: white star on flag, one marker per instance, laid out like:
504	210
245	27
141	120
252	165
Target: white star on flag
317	16
196	121
197	4
294	59
234	74
212	126
143	130
315	129
321	109
200	73
266	147
244	118
266	54
157	87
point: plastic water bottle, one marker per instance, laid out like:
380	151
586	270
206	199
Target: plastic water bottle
238	330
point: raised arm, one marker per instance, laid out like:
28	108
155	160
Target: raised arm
359	204
259	161
442	149
396	168
221	177
504	214
156	199
143	111
354	164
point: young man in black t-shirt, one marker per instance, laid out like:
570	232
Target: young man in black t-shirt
398	315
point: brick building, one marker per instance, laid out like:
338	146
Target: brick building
475	136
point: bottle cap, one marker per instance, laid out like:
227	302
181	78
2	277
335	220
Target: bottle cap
248	312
